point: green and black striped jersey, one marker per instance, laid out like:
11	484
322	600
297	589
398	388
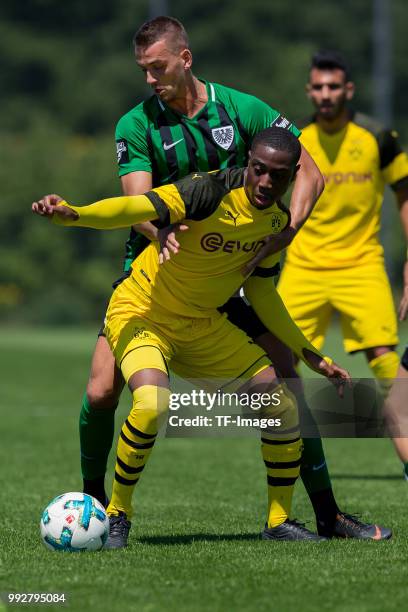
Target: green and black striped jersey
153	138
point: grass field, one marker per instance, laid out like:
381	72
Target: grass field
200	507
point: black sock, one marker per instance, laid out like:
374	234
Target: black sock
96	488
325	508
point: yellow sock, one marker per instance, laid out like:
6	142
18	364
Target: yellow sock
385	368
281	452
282	461
135	444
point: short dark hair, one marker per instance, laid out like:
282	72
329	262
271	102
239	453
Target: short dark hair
328	59
159	27
279	139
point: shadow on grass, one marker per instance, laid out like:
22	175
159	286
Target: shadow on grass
367	477
199	537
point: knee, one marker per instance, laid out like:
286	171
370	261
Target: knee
289	411
151	403
377	351
102	396
283	406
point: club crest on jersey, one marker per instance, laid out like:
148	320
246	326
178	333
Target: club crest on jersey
223	136
355	153
141	333
277	222
122	151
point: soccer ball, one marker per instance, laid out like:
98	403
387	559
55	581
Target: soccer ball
74	522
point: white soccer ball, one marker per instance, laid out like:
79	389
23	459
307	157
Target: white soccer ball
74	522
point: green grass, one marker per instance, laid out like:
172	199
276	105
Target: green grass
199	507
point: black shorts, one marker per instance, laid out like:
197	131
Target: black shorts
243	316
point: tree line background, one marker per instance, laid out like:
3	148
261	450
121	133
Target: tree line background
68	74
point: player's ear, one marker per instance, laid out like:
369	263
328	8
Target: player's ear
350	88
187	58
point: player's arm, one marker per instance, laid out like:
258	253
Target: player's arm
134	162
137	183
394	168
309	183
402	198
308	186
113	213
135	171
269	307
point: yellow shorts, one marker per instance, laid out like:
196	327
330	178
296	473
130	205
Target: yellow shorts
209	348
362	295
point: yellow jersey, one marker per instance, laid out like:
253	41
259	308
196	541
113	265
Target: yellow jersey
356	162
225	231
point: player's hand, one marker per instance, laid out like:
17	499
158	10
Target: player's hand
339	377
168	241
274	244
403	305
48	207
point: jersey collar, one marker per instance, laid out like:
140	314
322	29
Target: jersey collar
210	98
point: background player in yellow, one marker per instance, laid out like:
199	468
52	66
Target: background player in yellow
336	261
167	315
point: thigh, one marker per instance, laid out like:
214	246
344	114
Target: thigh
304	293
222	353
149	346
105	377
363	297
132	323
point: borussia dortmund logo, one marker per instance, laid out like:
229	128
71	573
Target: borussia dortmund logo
355	153
223	136
141	334
276	222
